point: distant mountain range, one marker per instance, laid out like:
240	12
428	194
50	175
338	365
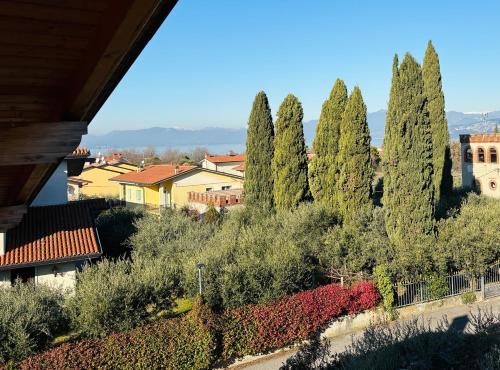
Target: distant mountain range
458	123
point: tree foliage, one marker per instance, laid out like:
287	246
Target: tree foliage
289	164
117	296
408	189
470	240
441	155
30	316
323	168
356	171
259	155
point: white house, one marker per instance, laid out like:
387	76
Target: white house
55	237
231	163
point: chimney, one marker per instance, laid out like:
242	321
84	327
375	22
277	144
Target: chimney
176	170
3	242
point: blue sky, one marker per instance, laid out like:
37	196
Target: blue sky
209	58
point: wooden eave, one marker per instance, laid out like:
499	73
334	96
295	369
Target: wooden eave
59	62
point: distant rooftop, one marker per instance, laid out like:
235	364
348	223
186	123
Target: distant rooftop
152	174
214	158
480	138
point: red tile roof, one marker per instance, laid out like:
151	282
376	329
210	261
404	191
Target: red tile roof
225	158
240	167
480	138
51	234
152	174
114	157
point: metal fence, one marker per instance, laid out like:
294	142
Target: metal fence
418	292
492	275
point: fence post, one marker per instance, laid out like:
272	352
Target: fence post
482	288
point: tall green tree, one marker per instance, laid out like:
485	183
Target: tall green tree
356	171
441	154
323	168
259	155
408	187
290	158
389	149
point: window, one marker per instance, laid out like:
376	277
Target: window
208	189
226	187
138	195
468	155
24	275
480	155
493	155
493	185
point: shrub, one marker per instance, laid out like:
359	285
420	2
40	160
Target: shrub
468	297
469	241
256	258
179	343
260	328
116	296
363	295
29	317
212	216
384	285
438	286
115	226
357	247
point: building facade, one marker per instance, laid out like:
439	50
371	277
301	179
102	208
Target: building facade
97	178
231	163
169	186
480	163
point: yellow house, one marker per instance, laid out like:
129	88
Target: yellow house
169	185
97	178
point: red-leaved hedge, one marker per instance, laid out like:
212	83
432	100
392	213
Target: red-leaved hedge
190	342
260	328
179	343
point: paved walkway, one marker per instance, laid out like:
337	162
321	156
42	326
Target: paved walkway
457	316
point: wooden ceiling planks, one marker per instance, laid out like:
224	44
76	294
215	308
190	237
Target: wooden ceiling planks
59	61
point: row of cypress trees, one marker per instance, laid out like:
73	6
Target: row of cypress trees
340	173
276	162
416	158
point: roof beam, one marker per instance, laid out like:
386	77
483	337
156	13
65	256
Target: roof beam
36	143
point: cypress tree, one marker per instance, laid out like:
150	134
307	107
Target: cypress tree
290	159
323	169
259	155
441	154
389	151
356	171
409	192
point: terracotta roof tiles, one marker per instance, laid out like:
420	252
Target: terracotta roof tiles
53	233
225	158
152	174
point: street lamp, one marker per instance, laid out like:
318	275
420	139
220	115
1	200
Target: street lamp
200	266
